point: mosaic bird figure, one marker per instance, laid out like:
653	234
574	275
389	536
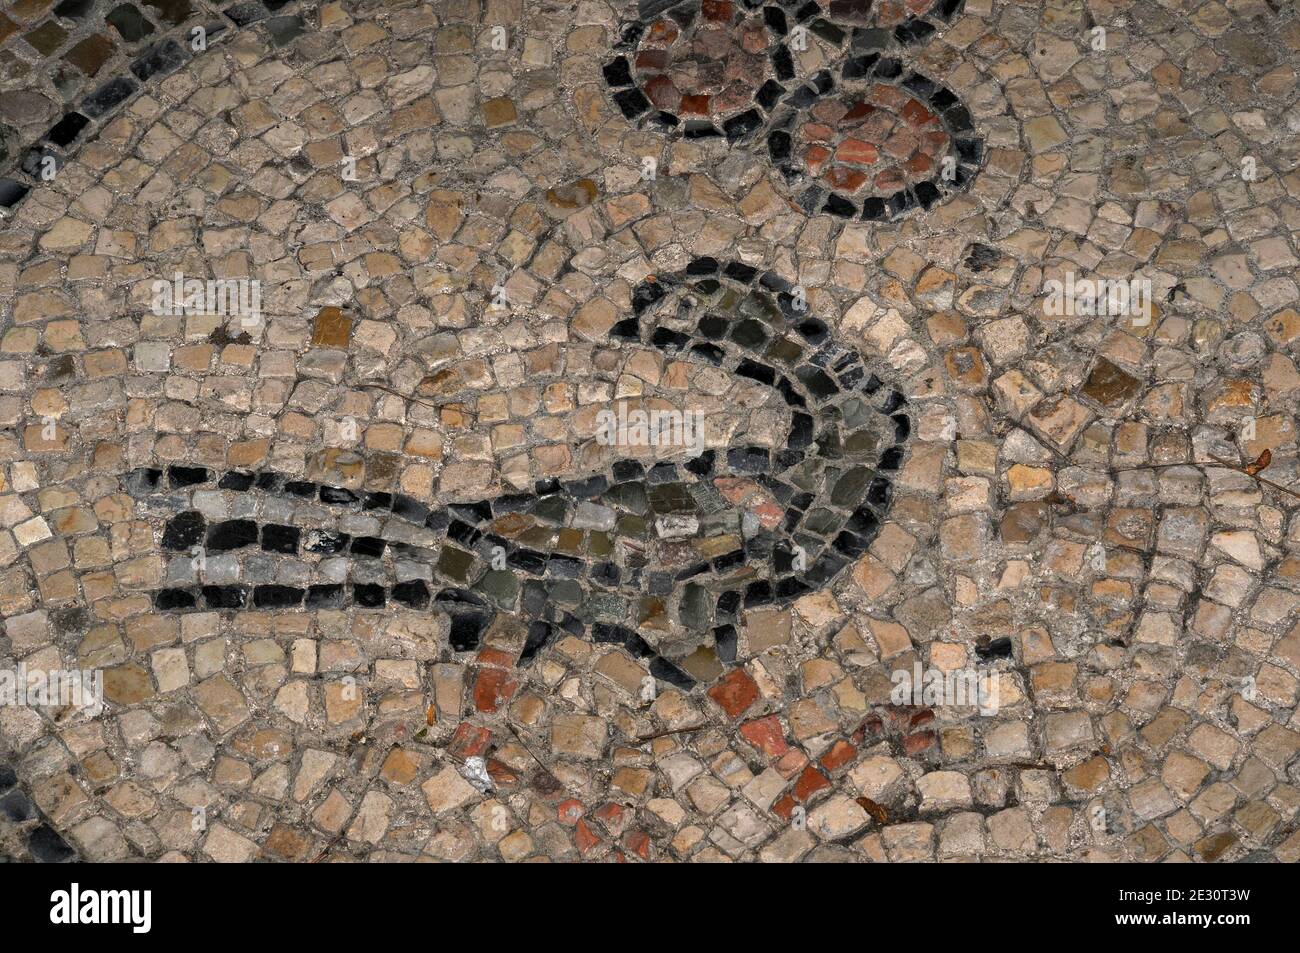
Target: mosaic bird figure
661	558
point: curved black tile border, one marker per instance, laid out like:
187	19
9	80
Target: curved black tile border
282	20
915	29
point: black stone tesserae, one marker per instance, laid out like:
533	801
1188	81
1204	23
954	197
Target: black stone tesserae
864	136
662	558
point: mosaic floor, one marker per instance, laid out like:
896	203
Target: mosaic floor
504	430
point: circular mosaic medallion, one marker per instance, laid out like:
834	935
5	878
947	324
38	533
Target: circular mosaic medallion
873	144
868	137
708	70
707	67
874	140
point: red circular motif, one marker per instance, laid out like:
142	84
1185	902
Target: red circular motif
872	143
707	70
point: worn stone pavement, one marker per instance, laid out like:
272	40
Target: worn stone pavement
442	327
